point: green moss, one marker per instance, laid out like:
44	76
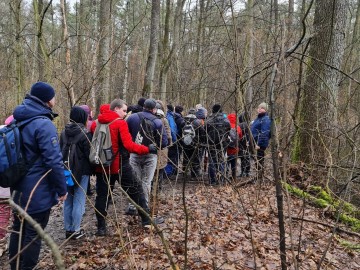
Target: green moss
349	245
320	198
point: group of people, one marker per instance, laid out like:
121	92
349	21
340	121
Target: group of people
146	141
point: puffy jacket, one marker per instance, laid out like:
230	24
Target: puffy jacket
134	122
232	120
120	138
260	130
46	175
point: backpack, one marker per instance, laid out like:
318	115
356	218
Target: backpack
101	151
13	162
145	135
188	130
233	138
217	130
173	126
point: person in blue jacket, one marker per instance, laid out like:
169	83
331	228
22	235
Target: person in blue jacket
260	130
44	184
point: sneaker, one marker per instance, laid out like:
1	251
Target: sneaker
131	210
156	220
79	234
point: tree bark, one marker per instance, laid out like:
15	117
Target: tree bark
319	99
153	49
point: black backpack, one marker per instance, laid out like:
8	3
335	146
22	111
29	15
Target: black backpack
217	130
147	133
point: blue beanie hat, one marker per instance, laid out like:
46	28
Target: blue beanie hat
42	91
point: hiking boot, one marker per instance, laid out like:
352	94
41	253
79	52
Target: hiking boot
101	231
156	221
131	210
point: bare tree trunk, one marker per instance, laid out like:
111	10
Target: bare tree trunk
319	101
15	6
153	48
126	53
103	70
68	73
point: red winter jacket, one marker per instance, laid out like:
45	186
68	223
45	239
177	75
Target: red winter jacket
119	131
232	120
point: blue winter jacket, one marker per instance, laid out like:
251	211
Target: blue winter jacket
46	177
260	130
134	126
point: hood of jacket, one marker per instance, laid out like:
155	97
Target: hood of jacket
107	117
32	107
232	119
73	129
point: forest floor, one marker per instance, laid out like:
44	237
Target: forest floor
227	228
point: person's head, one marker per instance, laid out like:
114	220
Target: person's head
78	115
179	109
159	105
198	106
45	92
141	101
150	105
119	106
243	118
200	113
88	110
170	108
262	108
216	108
191	111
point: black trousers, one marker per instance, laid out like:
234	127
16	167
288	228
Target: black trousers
245	161
29	237
191	159
105	185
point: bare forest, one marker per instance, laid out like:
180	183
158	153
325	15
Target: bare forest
302	57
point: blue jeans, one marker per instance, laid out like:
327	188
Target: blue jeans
144	169
29	238
74	206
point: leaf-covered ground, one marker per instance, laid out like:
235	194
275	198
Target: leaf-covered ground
227	228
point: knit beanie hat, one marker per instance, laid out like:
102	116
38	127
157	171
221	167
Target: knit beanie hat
78	115
141	101
150	103
42	91
216	108
264	106
200	113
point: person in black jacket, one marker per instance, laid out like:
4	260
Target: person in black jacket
75	146
245	145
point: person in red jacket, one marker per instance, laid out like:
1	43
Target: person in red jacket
233	148
120	168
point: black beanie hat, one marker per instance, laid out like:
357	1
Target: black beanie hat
78	115
216	108
42	91
150	103
141	101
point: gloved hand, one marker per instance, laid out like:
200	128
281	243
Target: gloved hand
152	149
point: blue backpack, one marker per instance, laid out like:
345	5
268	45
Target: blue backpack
13	163
173	126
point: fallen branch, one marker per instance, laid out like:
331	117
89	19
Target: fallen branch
326	225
